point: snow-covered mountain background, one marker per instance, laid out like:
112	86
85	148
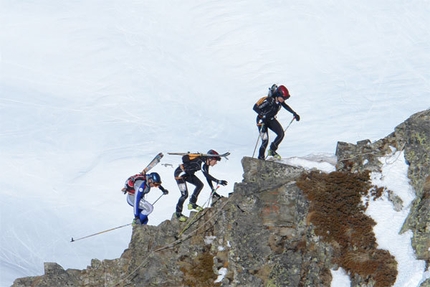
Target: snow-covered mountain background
90	91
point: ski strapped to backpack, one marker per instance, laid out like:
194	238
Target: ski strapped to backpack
129	183
197	154
153	162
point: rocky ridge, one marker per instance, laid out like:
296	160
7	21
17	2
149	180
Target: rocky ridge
276	228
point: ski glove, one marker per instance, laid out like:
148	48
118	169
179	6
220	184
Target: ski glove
260	122
296	116
222	182
183	175
165	191
264	118
263	129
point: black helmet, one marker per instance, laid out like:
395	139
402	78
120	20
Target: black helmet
215	155
155	177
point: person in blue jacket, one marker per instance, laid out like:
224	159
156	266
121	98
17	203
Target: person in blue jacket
142	185
186	173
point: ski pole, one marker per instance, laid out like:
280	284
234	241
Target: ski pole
107	230
104	231
158	198
258	139
211	195
289	124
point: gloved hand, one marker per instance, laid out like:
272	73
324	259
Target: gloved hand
262	119
165	191
183	175
296	116
260	122
222	182
263	129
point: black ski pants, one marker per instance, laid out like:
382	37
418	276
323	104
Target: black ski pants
274	126
182	180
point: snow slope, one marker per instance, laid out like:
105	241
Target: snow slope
91	90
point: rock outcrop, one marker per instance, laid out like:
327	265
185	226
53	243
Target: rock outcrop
412	137
282	226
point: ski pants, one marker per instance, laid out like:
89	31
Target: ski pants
182	179
274	126
137	209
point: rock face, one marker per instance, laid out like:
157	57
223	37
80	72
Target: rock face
275	229
413	137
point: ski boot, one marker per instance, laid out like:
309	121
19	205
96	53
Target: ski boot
194	206
274	154
181	217
136	222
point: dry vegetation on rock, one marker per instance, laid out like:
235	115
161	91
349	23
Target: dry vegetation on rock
337	213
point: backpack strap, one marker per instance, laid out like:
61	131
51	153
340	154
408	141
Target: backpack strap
129	183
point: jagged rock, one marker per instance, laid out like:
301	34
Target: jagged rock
263	234
416	134
412	137
419	222
258	235
55	275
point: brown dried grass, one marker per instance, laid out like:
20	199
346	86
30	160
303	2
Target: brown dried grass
337	213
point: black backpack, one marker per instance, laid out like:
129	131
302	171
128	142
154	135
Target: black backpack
190	157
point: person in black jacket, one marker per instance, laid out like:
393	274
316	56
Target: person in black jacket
267	108
186	173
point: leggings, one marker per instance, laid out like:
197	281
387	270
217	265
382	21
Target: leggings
276	127
182	184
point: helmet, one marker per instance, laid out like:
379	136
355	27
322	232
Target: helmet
215	155
282	91
155	177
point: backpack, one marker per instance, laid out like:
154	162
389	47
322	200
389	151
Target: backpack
265	104
190	157
191	162
262	102
129	183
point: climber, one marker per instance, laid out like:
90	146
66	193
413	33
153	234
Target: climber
267	109
186	173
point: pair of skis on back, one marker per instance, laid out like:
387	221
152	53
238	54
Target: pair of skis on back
160	155
225	155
